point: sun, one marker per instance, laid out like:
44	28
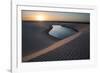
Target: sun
40	17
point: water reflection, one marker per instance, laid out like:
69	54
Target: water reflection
61	32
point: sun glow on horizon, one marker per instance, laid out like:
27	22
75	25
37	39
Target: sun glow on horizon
40	17
54	16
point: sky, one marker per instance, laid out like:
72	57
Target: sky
29	15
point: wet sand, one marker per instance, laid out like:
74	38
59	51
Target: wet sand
35	38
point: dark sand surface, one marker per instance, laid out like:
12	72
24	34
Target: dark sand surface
35	37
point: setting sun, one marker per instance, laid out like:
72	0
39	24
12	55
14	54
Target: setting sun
54	16
40	17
